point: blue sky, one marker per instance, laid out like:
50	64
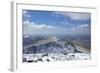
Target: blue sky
56	22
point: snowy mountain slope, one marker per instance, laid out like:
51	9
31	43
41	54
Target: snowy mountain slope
53	50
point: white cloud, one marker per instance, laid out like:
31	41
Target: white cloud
75	16
37	26
30	28
84	25
26	14
81	29
27	22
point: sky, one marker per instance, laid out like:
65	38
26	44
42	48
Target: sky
55	23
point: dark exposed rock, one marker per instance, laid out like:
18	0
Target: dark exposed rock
48	60
44	55
29	61
40	60
24	59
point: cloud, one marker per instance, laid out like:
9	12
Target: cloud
30	28
75	15
84	25
26	14
81	29
37	26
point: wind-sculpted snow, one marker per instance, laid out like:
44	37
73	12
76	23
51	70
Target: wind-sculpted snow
55	57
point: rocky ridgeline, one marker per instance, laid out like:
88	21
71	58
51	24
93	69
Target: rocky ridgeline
52	45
